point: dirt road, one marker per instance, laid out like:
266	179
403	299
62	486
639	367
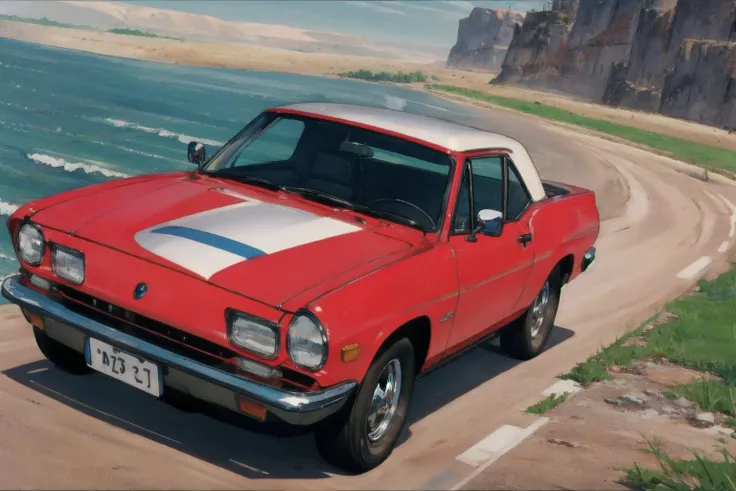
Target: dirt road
662	228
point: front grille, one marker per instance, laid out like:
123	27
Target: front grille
169	338
150	330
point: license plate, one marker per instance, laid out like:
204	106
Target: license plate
123	366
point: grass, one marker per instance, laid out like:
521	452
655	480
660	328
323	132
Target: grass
548	403
136	32
688	151
396	77
700	335
681	475
43	21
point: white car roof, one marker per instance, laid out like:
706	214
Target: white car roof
452	136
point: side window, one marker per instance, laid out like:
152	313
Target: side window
461	224
518	199
487	191
487	183
277	143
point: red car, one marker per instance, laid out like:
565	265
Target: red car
308	271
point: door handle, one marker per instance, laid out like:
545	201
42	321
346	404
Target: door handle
524	239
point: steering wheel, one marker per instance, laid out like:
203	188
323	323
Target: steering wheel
404	202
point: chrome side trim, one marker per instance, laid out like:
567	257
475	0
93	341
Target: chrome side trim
588	259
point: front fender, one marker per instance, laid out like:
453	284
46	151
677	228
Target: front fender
368	310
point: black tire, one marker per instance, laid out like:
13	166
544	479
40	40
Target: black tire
524	339
60	355
343	439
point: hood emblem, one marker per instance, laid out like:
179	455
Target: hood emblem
140	291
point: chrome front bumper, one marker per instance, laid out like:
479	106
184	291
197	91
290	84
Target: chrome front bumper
197	379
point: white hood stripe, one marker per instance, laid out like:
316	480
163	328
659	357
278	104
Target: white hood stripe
208	242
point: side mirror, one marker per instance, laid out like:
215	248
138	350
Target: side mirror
196	153
490	222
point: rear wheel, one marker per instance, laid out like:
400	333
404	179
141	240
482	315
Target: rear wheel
363	435
526	337
60	355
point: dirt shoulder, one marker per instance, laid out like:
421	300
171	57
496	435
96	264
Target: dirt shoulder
659	396
226	55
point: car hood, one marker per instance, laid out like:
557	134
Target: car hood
264	246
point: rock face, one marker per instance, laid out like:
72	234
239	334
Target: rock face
676	57
482	39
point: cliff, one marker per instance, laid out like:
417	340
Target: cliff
670	56
536	48
482	39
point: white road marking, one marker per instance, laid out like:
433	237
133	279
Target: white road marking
562	386
731	207
491	448
250	468
695	268
637	206
724	246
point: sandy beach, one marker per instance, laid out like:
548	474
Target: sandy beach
230	55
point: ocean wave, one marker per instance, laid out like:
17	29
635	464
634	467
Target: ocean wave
163	132
16	67
3	257
7	209
58	162
393	102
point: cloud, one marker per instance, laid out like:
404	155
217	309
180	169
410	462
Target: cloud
461	4
377	7
421	5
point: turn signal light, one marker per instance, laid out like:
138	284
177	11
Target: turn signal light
350	352
252	408
35	319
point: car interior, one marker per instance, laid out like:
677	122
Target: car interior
364	167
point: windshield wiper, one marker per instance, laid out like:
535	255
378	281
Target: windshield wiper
319	195
322	196
394	218
255	181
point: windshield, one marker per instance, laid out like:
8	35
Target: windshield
350	167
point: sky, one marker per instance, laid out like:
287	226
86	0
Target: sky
422	22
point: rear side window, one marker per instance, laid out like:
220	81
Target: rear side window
518	198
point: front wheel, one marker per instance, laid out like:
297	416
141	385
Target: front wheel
362	436
525	337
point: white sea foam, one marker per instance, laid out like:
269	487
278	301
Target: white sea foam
3	257
394	102
163	132
7	209
71	166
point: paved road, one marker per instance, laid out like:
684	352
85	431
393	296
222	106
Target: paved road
59	431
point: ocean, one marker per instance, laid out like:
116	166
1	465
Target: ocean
70	119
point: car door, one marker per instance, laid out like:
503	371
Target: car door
493	267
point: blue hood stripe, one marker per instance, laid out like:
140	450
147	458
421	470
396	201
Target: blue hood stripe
212	240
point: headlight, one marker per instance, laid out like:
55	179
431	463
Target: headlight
253	334
68	264
30	244
307	342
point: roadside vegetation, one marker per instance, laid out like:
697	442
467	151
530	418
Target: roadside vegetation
687	151
43	21
136	32
696	332
548	403
676	474
395	77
